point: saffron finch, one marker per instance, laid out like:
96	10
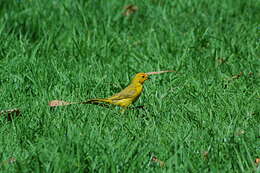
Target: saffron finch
124	98
128	95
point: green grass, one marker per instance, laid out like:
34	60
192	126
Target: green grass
75	50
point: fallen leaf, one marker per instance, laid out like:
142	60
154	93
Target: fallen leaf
221	60
55	103
237	76
205	154
257	161
156	160
130	9
11	113
250	73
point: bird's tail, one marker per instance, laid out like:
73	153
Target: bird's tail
98	101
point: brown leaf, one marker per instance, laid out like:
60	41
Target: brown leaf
156	160
55	103
11	113
237	76
257	161
221	60
250	73
205	154
130	9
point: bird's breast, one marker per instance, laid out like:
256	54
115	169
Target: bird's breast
138	92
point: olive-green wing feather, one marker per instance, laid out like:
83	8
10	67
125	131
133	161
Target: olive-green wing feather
128	92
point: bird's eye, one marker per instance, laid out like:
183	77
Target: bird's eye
142	76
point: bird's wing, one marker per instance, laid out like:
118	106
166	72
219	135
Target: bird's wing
128	92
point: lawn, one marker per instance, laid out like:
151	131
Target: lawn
203	118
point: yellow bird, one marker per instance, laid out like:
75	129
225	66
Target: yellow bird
123	99
128	95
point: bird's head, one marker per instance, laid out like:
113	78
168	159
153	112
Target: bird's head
140	78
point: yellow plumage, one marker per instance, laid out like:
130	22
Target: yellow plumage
128	95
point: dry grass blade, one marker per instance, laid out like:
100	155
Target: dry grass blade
11	113
159	72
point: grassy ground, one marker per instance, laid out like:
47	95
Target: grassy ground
205	118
